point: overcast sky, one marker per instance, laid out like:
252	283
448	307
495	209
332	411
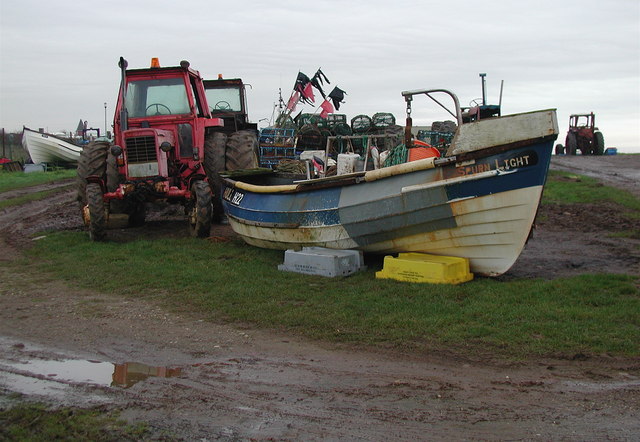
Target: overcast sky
58	59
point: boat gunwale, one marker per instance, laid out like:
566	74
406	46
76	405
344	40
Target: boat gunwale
25	128
386	172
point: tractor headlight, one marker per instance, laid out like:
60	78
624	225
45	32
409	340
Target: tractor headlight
166	146
116	150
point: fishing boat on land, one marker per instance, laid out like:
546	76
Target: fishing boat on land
477	201
48	148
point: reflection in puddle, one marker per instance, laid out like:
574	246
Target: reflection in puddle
91	372
127	374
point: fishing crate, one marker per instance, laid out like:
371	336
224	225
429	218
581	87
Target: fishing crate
422	267
323	262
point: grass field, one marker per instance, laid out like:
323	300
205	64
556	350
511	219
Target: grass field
17	180
238	283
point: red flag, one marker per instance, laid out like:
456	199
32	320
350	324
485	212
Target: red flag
293	101
327	108
307	93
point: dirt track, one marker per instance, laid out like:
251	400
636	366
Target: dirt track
240	383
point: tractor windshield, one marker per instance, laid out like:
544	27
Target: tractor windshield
166	96
224	99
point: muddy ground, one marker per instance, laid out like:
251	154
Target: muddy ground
195	379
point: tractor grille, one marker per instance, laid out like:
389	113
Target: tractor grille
141	149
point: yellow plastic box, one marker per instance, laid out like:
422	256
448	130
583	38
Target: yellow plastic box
421	267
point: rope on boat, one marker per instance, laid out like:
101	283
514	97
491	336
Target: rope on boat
397	155
291	166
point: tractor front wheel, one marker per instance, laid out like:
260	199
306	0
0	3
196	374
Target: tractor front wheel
97	217
137	214
200	209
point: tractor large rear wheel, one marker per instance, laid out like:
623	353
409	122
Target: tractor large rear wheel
571	144
200	209
97	221
215	146
598	143
242	150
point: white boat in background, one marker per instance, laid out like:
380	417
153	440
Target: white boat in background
47	148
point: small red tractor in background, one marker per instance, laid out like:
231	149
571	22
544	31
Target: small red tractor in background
583	135
168	146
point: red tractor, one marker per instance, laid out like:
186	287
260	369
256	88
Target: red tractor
583	135
167	147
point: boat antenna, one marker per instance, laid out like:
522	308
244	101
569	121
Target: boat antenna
500	101
484	93
124	117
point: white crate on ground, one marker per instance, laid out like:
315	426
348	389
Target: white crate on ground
322	261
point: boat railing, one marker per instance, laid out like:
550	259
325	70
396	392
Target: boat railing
455	113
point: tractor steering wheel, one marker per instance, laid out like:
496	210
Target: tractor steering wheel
222	105
158	106
475	102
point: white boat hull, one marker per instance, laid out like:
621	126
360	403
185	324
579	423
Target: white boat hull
47	148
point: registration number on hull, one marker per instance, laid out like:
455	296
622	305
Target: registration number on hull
232	196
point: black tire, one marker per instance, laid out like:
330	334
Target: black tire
571	144
215	146
92	161
200	209
559	149
242	150
98	219
113	181
598	143
137	214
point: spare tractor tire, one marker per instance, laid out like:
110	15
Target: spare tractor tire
92	162
559	149
242	150
215	146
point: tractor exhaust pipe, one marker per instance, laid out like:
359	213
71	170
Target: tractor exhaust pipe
484	91
124	116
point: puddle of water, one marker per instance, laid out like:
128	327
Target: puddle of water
87	372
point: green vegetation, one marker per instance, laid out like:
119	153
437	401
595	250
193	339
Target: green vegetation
567	188
17	180
35	422
234	282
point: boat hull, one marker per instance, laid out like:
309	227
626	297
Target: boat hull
481	208
47	148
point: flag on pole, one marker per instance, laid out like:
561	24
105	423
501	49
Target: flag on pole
307	93
303	86
327	108
318	80
337	95
293	101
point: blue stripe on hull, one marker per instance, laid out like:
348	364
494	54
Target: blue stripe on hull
319	207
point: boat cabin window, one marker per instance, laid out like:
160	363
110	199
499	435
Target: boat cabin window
148	98
224	99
